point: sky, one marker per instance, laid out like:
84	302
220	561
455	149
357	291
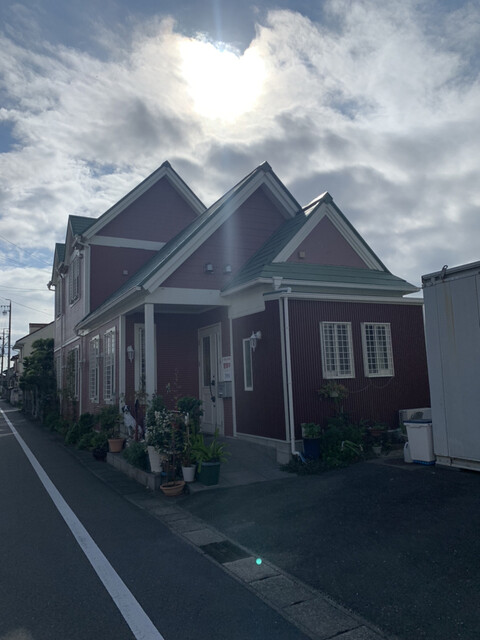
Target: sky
375	101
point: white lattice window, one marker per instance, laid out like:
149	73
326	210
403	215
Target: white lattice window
247	365
74	279
109	365
93	369
59	297
377	349
337	353
73	374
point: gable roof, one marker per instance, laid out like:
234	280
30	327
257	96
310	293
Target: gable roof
79	224
164	171
181	246
271	259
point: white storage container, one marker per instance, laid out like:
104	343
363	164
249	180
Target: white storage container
420	441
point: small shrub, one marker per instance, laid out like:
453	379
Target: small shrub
73	435
157	404
85	442
136	455
99	440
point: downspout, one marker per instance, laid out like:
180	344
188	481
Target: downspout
288	372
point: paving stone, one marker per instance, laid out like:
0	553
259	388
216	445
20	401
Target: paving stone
203	536
224	551
162	510
186	524
248	570
282	591
361	633
321	618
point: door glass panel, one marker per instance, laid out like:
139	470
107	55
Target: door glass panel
207	368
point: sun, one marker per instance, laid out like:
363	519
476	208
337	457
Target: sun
221	83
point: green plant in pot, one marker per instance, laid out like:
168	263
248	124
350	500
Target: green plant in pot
187	457
311	434
109	419
208	456
169	434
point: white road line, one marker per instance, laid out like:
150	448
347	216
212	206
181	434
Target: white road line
136	618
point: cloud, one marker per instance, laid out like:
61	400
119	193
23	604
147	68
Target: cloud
377	103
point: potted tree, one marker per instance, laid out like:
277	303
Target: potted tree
188	461
169	425
208	458
311	434
109	420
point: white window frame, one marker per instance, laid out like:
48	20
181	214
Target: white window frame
331	351
59	298
94	369
247	365
109	361
74	280
76	371
373	347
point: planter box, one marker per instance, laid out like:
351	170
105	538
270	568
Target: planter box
311	448
209	473
150	480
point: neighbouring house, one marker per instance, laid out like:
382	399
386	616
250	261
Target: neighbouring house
36	331
452	326
251	305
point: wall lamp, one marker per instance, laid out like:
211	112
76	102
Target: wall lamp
208	267
130	353
254	338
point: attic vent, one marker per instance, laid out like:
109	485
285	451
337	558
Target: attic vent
301	254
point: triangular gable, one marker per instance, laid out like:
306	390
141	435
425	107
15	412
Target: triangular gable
325	224
164	171
58	259
176	252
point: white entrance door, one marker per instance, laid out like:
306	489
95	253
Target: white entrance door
209	355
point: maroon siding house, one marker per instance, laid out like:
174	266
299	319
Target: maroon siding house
252	305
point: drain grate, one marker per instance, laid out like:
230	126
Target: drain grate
224	551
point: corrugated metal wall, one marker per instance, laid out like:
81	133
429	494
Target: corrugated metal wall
377	399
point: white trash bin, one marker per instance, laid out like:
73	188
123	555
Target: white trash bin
420	441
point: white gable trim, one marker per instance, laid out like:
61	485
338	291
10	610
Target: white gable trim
226	210
126	201
324	210
126	243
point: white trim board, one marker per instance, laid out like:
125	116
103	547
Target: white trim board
126	243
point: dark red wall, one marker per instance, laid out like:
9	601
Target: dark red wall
376	399
158	215
107	265
261	411
233	243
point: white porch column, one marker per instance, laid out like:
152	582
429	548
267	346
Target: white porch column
149	350
122	360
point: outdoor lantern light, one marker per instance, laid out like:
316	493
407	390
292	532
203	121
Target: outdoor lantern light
256	335
130	353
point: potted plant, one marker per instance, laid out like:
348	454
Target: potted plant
109	419
208	458
311	434
155	434
170	445
188	463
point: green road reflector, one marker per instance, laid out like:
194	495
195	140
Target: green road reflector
258	561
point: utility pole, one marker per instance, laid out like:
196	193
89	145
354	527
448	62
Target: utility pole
3	350
7	309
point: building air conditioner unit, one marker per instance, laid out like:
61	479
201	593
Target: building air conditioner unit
404	415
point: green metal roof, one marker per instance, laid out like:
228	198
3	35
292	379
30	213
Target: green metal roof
60	251
80	224
334	275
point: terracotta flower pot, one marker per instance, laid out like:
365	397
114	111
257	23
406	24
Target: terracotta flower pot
173	488
115	445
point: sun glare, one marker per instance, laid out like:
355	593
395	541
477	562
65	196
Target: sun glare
222	84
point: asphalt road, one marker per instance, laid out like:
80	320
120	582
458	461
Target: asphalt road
48	588
398	545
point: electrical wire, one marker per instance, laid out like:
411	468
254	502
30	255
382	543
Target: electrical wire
25	251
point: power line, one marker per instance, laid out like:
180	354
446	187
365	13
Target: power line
25	251
27	307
